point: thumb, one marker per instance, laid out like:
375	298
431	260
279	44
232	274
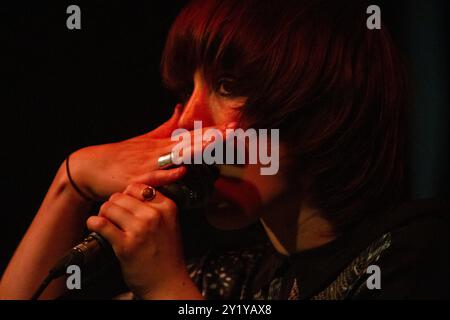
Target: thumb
165	130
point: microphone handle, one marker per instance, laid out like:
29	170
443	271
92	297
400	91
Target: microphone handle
93	245
191	193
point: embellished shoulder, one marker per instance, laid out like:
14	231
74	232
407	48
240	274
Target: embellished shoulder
352	279
226	275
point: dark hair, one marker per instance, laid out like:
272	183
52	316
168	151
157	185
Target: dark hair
312	68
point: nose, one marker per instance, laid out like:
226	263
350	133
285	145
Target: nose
197	107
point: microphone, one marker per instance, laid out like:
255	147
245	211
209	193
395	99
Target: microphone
192	192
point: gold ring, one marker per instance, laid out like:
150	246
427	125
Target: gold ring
148	193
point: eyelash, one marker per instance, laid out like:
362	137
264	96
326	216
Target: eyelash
185	94
220	86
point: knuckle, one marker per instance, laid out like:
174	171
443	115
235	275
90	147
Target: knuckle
102	223
140	230
127	189
134	242
150	221
105	207
134	186
170	206
98	223
90	221
130	188
115	197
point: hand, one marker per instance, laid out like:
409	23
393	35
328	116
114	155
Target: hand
145	237
102	170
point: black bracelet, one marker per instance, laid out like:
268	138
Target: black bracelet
74	185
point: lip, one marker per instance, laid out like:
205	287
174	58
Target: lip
235	194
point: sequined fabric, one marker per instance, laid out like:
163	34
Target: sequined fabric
233	275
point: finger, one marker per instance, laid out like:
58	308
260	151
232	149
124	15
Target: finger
132	200
116	214
164	208
162	177
106	229
191	145
165	130
160	201
220	128
128	202
188	137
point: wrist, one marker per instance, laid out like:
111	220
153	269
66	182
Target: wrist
64	188
78	174
74	185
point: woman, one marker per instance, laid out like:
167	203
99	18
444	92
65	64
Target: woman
336	92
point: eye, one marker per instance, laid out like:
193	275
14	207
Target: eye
226	87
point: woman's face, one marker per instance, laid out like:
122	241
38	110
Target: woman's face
237	201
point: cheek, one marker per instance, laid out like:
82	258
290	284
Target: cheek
224	111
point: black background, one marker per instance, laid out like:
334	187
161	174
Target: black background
65	89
